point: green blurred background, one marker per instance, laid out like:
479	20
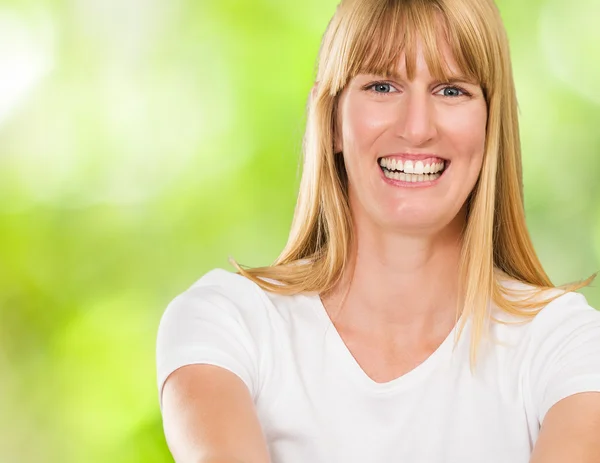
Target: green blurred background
142	142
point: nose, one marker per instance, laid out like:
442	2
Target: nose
416	119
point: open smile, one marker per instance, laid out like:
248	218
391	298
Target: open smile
421	172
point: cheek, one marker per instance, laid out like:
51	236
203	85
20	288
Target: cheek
363	124
467	132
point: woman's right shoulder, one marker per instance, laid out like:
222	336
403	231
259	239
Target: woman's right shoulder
227	289
224	291
220	319
221	287
218	277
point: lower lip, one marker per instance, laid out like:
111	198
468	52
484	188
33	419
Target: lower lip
424	184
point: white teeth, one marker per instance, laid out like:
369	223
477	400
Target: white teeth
419	167
411	178
411	167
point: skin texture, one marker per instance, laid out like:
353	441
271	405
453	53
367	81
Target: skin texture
415	117
570	431
209	417
401	290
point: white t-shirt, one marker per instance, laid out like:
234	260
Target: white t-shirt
316	405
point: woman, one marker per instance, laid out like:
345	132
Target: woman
408	318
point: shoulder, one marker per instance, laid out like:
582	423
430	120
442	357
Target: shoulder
230	293
556	353
219	320
567	305
564	314
564	351
563	304
223	291
223	279
567	314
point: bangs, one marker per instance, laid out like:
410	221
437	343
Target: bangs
379	32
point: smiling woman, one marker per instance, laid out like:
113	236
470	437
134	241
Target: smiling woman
408	232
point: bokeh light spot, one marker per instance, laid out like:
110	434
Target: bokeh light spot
26	56
570	37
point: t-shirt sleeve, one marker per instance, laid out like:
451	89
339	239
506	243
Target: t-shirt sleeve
207	325
566	357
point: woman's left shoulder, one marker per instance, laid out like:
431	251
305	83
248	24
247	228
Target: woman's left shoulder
564	351
562	305
566	314
567	309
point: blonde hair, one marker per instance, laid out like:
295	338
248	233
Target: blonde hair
369	36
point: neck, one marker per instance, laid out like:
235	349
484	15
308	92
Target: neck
400	284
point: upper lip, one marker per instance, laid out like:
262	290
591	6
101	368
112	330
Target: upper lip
412	156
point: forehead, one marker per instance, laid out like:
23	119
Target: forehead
411	47
442	66
398	35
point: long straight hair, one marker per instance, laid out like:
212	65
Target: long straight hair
369	36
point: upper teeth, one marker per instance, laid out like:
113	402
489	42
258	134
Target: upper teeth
411	167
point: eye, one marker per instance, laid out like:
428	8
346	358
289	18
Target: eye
452	91
381	88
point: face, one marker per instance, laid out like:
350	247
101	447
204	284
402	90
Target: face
413	150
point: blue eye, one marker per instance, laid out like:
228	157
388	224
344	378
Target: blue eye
453	92
381	88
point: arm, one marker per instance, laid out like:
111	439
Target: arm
209	417
570	432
